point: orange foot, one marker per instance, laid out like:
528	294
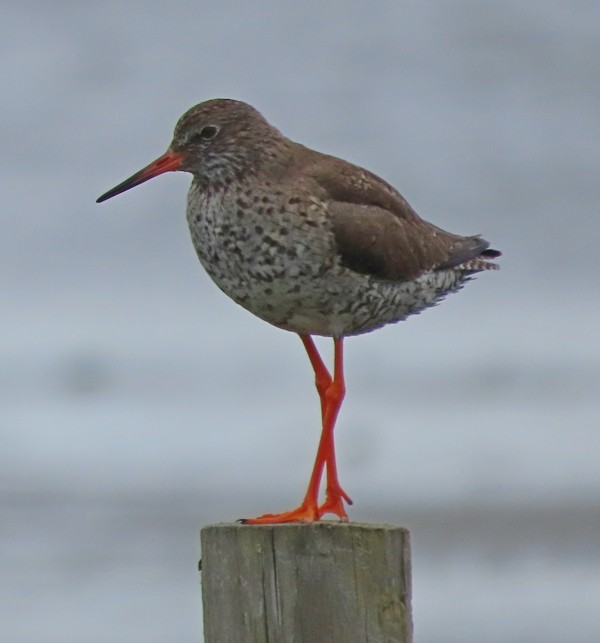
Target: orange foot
304	513
307	511
334	504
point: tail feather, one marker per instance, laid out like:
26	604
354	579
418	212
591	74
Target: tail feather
490	253
471	254
478	264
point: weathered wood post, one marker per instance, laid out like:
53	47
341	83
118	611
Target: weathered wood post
323	582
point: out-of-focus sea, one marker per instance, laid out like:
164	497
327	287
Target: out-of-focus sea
138	404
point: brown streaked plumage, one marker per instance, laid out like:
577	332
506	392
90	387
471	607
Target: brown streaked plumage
311	244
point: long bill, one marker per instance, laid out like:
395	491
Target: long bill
168	162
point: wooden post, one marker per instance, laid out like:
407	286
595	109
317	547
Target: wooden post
325	582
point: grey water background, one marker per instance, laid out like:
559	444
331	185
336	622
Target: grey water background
138	404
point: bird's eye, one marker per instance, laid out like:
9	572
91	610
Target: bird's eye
205	134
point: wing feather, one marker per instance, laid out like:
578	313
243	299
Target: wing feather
376	230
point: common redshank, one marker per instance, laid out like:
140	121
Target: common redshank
311	244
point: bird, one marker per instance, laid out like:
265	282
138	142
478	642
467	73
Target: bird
311	244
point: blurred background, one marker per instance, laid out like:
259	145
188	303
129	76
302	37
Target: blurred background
137	403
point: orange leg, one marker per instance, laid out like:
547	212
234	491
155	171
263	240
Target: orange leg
331	393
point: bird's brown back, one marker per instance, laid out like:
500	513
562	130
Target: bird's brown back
376	230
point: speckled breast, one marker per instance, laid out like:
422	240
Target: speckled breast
276	257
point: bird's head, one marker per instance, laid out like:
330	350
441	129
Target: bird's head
218	140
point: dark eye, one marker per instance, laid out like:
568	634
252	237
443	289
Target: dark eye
205	134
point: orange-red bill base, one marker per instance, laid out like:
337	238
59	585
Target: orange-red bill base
169	162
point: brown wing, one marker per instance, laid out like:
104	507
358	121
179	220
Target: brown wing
378	233
374	241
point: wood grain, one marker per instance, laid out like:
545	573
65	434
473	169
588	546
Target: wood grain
323	582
